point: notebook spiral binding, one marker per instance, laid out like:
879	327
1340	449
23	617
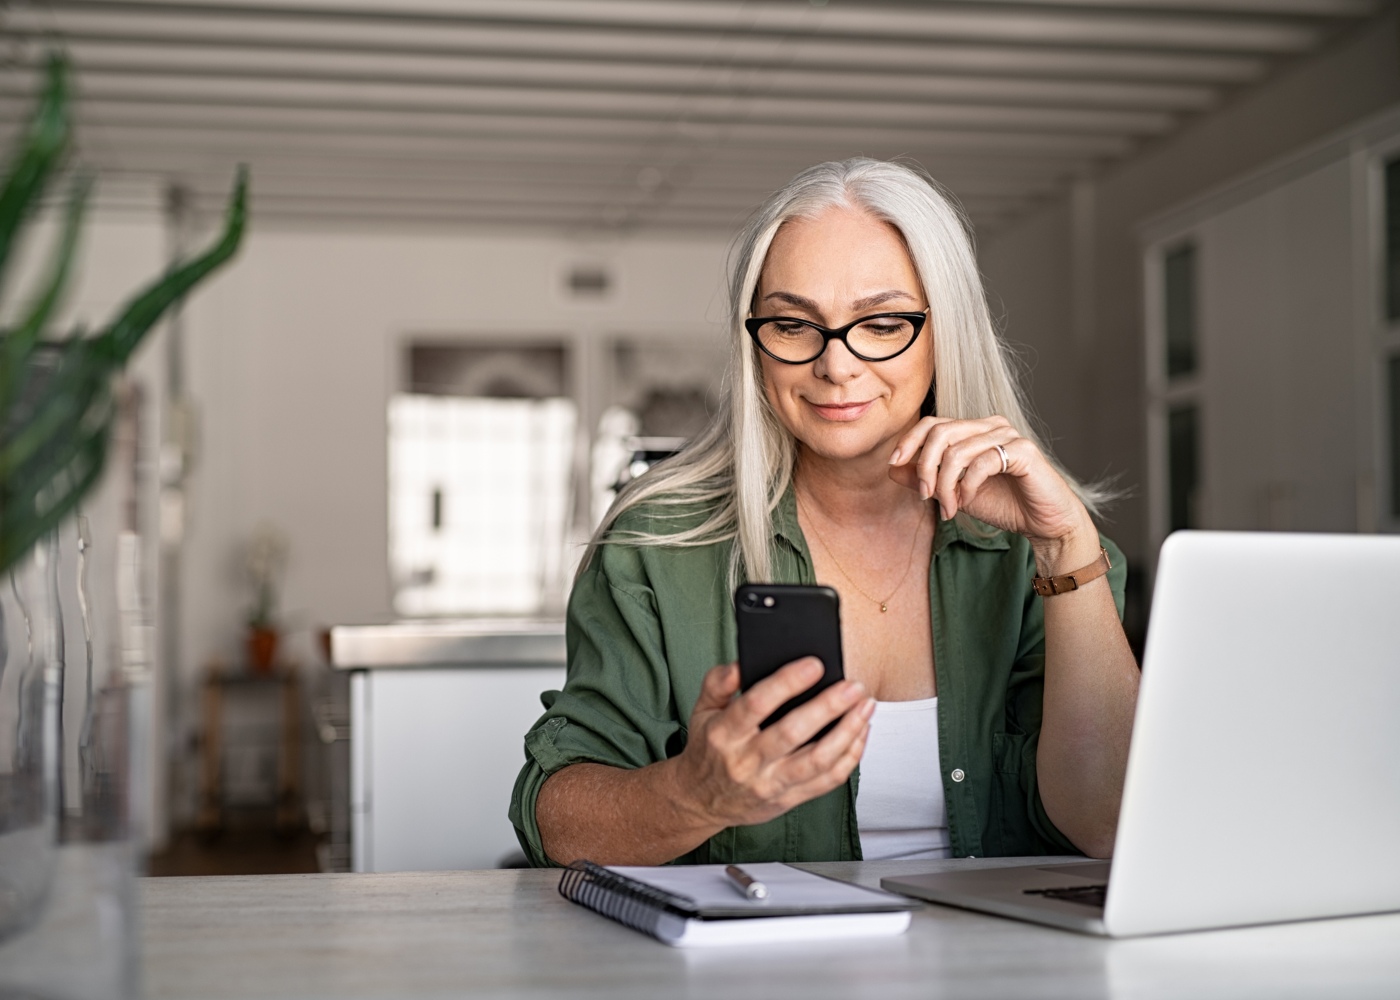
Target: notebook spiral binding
625	900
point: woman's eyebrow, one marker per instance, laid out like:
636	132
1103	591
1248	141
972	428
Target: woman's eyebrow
869	302
793	300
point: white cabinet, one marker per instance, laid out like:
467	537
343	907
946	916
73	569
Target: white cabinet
437	738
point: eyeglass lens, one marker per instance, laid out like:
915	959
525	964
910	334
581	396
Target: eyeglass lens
874	339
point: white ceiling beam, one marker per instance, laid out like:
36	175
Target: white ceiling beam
103	148
1309	8
751	183
96	89
141	196
276	202
537	158
360	219
935	23
109	59
989	171
400	127
944	21
37	26
292	197
465	191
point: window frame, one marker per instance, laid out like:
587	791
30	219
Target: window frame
1377	503
1167	393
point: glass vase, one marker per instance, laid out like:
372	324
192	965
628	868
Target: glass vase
73	700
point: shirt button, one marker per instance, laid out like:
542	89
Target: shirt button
957	774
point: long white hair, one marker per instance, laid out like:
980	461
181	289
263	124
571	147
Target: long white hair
736	471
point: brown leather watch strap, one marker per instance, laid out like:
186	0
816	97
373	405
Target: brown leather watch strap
1049	586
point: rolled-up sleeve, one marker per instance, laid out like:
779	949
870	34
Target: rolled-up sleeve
617	707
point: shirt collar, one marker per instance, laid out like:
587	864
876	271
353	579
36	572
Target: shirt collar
785	524
967	530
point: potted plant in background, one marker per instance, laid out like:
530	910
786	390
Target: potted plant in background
267	558
70	597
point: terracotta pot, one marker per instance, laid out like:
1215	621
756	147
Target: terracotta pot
262	649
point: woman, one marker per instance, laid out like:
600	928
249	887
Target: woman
871	412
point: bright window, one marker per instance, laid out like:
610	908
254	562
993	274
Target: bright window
479	503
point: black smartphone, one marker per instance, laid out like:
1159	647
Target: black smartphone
779	623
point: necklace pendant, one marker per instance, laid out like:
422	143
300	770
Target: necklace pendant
884	608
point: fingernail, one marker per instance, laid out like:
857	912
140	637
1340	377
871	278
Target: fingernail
896	457
854	692
868	709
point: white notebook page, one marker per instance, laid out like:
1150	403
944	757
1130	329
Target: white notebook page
787	886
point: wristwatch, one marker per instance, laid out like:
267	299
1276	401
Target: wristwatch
1049	586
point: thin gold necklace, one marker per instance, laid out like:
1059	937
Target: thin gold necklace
885	604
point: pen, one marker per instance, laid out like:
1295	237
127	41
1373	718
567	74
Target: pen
751	887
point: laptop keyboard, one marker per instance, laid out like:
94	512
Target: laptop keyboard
1088	895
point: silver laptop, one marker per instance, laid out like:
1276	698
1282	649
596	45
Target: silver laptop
1263	779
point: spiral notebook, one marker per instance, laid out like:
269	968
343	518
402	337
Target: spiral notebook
696	905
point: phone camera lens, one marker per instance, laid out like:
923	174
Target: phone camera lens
751	600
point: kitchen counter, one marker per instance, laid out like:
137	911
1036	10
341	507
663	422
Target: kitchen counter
458	642
509	934
438	715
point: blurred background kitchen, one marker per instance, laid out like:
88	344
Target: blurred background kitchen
483	285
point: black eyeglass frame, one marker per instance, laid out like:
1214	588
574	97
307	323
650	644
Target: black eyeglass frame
754	324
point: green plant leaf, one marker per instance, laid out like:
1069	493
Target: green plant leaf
40	153
20	530
27	484
147	307
68	397
19	342
55	416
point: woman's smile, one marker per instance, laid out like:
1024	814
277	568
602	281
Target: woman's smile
841	412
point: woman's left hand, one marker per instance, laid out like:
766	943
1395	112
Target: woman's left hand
956	462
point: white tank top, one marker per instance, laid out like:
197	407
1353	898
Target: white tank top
900	808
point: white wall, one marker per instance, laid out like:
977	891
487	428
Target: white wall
1280	339
1102	401
1036	312
1278	331
293	353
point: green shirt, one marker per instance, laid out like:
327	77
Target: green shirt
645	623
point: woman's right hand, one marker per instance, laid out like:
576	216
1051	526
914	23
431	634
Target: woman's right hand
735	774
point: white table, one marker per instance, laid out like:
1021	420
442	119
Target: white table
509	934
